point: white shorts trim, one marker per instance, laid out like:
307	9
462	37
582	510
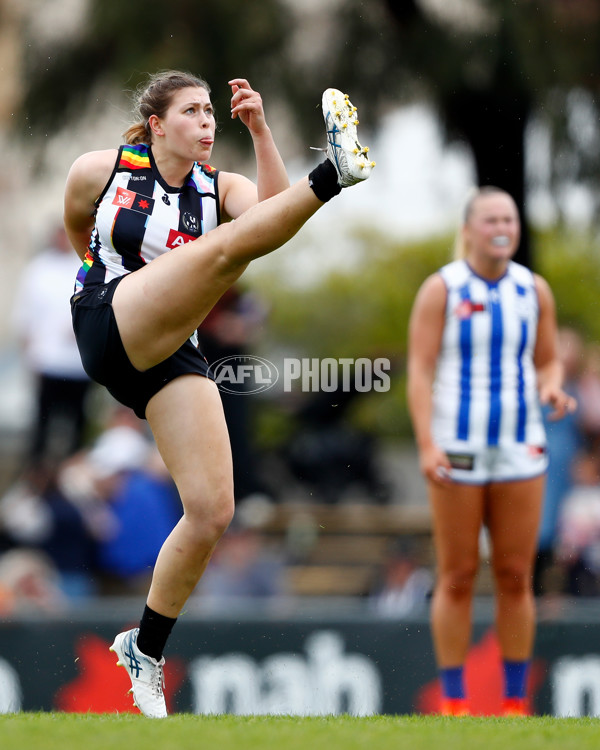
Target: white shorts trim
503	463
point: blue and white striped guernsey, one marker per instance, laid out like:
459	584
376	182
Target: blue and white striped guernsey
485	386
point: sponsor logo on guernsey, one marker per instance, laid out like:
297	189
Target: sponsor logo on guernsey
129	199
175	239
466	308
536	451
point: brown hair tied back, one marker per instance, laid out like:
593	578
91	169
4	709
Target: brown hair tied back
154	98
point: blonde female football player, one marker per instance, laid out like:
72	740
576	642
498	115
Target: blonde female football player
482	358
150	221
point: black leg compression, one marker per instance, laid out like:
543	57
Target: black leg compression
324	181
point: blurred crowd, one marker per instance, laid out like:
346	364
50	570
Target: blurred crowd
92	523
569	543
92	503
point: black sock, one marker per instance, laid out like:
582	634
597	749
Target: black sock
324	181
154	632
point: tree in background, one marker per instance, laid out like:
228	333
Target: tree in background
488	66
116	46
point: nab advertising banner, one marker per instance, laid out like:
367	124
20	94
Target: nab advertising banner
295	667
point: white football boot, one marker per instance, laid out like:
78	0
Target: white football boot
146	674
343	148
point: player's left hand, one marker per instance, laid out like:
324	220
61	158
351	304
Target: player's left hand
247	105
561	403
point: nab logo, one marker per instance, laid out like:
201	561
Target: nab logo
176	239
244	374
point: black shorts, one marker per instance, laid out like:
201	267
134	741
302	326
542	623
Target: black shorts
104	358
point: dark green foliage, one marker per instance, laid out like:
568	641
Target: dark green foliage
487	78
217	40
364	312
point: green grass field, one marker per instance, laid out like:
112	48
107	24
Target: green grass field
58	731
